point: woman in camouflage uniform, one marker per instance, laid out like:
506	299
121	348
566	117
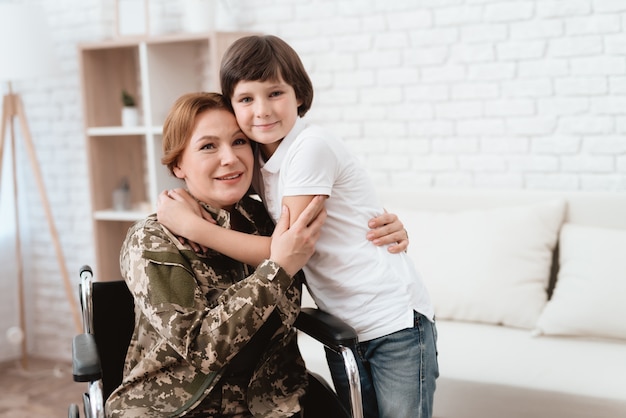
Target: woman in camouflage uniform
213	337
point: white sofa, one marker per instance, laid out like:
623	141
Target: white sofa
491	259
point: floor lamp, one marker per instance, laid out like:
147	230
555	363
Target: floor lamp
26	53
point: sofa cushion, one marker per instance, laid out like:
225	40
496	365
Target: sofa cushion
489	266
588	299
471	399
507	356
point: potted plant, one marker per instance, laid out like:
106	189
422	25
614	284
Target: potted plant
130	113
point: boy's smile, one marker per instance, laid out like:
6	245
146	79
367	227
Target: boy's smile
265	126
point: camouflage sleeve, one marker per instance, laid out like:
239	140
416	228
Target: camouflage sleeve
164	276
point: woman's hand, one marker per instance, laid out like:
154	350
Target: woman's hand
292	247
387	229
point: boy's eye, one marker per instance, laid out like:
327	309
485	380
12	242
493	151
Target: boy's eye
275	93
245	100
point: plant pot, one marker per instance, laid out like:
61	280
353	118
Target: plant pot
130	116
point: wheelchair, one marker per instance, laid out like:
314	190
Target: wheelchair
98	354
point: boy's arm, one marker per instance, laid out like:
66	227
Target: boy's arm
247	248
179	213
296	205
176	213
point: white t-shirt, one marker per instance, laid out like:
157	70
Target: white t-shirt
369	288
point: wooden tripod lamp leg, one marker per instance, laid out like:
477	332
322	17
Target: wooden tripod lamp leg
6	115
8	110
12	107
21	115
18	253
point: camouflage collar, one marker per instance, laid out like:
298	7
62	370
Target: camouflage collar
222	216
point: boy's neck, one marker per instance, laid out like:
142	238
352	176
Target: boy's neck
267	150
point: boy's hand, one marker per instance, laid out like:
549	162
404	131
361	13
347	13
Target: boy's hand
292	247
387	229
175	208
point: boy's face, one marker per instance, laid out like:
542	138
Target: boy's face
266	111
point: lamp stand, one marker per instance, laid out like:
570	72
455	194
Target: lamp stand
12	108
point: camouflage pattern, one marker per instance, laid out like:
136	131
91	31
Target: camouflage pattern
193	313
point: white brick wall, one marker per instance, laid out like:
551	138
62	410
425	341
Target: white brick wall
430	93
53	111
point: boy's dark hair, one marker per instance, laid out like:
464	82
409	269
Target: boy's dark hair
262	58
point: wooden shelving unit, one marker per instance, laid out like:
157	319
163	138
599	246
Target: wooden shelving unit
156	71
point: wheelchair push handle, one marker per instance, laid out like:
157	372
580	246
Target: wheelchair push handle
85	270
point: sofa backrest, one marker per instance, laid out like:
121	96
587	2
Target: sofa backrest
594	209
601	209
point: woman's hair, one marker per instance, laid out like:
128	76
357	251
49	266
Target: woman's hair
181	120
262	58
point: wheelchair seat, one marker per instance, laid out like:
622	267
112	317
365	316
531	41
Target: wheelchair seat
98	355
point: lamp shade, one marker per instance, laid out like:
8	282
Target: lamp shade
26	50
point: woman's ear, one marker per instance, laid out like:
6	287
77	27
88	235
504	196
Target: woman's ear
178	172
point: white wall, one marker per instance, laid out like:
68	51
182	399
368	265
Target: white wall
429	93
9	310
53	112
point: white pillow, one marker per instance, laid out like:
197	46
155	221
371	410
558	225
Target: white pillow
590	294
490	266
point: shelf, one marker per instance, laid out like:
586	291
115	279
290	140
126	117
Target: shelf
156	71
119	215
124	130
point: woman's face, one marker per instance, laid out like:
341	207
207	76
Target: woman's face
217	162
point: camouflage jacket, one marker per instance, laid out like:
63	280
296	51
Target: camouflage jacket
194	312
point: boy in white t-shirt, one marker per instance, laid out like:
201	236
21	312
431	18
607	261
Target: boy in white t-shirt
378	293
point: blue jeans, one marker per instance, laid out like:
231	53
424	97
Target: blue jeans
397	371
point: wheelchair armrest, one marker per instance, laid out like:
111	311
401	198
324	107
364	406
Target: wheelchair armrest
326	328
85	359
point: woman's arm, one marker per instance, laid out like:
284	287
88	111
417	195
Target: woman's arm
166	289
167	292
